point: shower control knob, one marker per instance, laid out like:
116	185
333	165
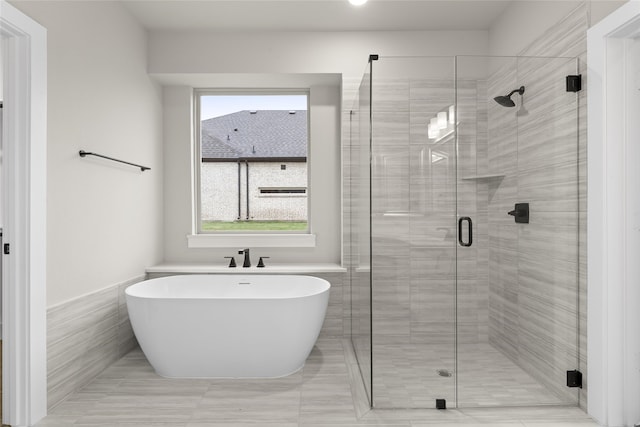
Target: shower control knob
520	213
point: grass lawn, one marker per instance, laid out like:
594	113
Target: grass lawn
254	226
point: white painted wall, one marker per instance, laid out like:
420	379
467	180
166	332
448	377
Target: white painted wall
184	57
345	53
525	21
104	219
1	66
1	98
1	198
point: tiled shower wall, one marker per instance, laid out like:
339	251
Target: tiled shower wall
533	267
538	270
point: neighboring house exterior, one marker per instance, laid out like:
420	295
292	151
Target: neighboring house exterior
254	166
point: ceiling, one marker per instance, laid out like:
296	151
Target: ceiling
315	15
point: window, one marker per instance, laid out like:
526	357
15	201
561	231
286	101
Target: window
252	169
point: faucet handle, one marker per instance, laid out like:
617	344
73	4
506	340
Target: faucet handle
260	262
232	263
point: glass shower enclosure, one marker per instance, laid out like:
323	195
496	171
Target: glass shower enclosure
464	237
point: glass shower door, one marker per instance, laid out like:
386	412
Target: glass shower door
517	283
413	185
465	221
360	226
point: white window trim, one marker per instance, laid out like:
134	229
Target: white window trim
199	239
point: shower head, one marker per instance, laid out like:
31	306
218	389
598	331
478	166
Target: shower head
506	100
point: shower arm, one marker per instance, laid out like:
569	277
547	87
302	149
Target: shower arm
520	91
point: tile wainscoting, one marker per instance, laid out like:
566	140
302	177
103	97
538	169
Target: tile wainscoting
84	337
88	334
337	320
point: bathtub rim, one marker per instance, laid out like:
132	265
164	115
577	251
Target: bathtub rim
326	287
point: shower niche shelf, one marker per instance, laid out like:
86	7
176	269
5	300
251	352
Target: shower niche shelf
483	176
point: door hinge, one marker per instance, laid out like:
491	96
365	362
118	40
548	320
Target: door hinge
574	83
574	379
7	249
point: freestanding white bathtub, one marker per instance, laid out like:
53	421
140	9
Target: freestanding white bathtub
227	326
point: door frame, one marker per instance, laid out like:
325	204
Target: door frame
24	211
614	218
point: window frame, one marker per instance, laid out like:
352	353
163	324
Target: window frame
220	238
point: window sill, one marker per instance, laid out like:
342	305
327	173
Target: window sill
189	268
251	240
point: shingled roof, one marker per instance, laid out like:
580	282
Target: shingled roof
255	134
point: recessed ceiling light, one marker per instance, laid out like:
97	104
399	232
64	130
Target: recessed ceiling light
357	2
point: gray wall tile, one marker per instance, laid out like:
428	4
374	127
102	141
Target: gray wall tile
85	336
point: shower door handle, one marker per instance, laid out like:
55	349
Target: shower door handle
470	225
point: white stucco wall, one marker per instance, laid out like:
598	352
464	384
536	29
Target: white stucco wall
274	206
219	191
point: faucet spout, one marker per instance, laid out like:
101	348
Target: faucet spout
247	260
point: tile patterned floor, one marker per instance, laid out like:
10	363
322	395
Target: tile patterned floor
406	377
130	394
